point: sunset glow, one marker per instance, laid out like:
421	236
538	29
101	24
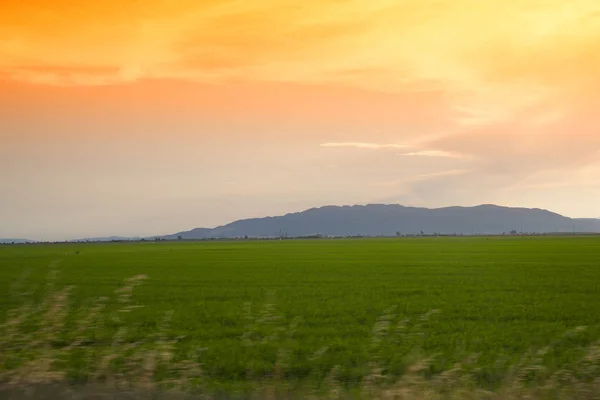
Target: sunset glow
148	117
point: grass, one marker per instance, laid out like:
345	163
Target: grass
332	315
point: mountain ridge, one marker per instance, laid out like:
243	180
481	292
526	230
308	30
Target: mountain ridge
15	241
380	220
391	219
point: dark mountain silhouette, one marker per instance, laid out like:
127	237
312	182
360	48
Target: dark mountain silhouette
380	219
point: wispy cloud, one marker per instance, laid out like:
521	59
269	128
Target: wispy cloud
450	172
362	145
415	153
434	153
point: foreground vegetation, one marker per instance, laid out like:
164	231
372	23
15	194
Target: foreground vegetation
469	317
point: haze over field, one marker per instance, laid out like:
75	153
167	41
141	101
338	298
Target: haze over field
138	118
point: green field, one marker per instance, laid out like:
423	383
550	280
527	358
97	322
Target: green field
495	297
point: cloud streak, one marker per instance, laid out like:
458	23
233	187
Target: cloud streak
361	145
434	153
380	146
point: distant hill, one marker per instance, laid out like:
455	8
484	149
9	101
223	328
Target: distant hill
380	219
3	240
197	233
106	239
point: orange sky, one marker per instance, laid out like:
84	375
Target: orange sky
147	117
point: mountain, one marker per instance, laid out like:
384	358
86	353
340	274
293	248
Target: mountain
197	233
106	239
3	240
381	219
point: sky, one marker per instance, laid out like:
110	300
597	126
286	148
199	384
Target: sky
123	117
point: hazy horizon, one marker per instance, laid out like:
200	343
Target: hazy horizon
138	119
189	228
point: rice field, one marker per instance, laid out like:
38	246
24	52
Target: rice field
301	311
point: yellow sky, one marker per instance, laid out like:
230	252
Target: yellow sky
493	58
475	86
